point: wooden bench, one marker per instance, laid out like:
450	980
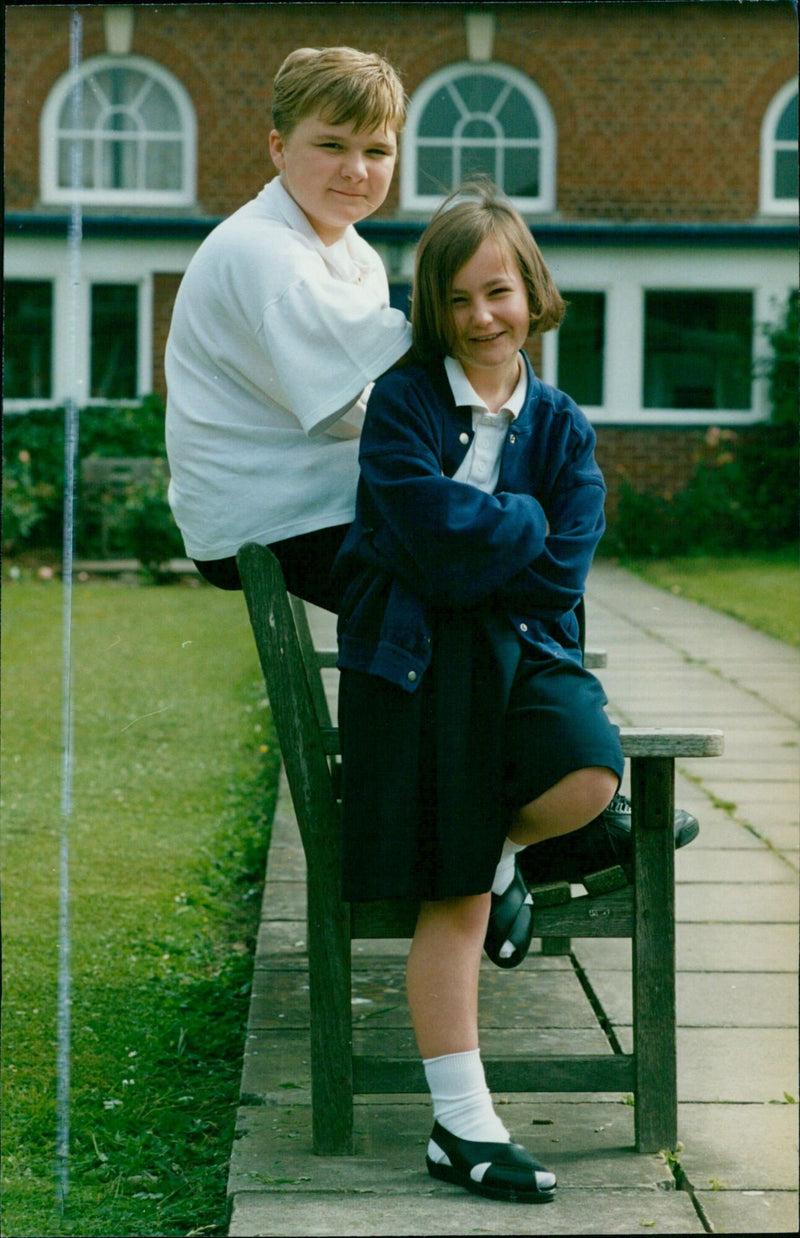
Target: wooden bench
644	912
104	482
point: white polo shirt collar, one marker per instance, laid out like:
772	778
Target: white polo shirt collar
465	395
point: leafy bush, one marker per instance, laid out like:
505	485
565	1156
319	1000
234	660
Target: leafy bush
743	495
138	521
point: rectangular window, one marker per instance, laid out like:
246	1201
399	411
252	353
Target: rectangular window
28	340
581	345
114	332
698	350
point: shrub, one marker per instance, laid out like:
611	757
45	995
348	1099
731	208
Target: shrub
140	524
743	492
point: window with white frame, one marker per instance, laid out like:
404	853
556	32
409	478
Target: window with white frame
489	119
698	349
110	317
581	347
119	130
779	179
27	339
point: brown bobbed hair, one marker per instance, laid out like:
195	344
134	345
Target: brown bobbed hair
461	224
340	84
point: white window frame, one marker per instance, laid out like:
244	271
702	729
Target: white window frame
625	275
102	262
769	203
412	200
58	98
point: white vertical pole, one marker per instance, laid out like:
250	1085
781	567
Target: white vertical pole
63	1040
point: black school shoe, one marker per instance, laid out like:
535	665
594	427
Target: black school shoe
504	1171
602	843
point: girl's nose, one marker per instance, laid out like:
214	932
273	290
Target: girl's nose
481	312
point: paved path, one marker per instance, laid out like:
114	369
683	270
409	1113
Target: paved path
670	662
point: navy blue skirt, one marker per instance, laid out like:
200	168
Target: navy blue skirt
431	779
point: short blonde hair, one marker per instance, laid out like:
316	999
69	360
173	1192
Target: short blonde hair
342	85
461	224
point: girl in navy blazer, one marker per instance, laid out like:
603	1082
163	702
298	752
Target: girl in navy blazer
470	729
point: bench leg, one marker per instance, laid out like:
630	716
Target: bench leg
655	1049
331	1016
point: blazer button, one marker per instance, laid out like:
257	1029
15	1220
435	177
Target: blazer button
512	438
463	438
523	627
412	676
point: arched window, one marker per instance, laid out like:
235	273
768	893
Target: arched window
124	129
471	118
779	183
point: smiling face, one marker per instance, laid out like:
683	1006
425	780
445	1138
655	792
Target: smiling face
491	315
336	175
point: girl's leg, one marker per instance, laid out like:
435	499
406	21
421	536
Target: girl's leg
566	806
570	803
442	982
442	974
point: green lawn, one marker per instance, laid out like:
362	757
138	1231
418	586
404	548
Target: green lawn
760	588
174	771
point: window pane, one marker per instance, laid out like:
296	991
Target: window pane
163	165
120	164
521	179
434	170
478	160
581	342
158	111
517	117
66	151
479	128
27	340
698	350
786	178
479	91
114	341
440	116
786	129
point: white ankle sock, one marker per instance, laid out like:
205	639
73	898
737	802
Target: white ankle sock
462	1102
504	875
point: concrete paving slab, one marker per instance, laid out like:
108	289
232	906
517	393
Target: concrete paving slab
712	999
760	866
574	1212
732	1065
705	948
586	1143
708	902
737	1064
750	1212
763	1154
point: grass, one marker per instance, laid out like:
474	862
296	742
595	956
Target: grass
174	774
760	588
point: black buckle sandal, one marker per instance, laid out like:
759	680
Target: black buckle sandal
510	919
504	1171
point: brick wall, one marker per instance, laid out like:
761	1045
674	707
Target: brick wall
165	288
658	106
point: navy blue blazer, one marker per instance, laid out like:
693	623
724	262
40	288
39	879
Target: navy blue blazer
421	541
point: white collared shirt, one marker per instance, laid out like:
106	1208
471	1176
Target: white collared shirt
274	337
481	465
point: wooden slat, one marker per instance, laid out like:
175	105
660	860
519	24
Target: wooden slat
610	1072
636	741
670	741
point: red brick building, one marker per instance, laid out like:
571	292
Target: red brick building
652	148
